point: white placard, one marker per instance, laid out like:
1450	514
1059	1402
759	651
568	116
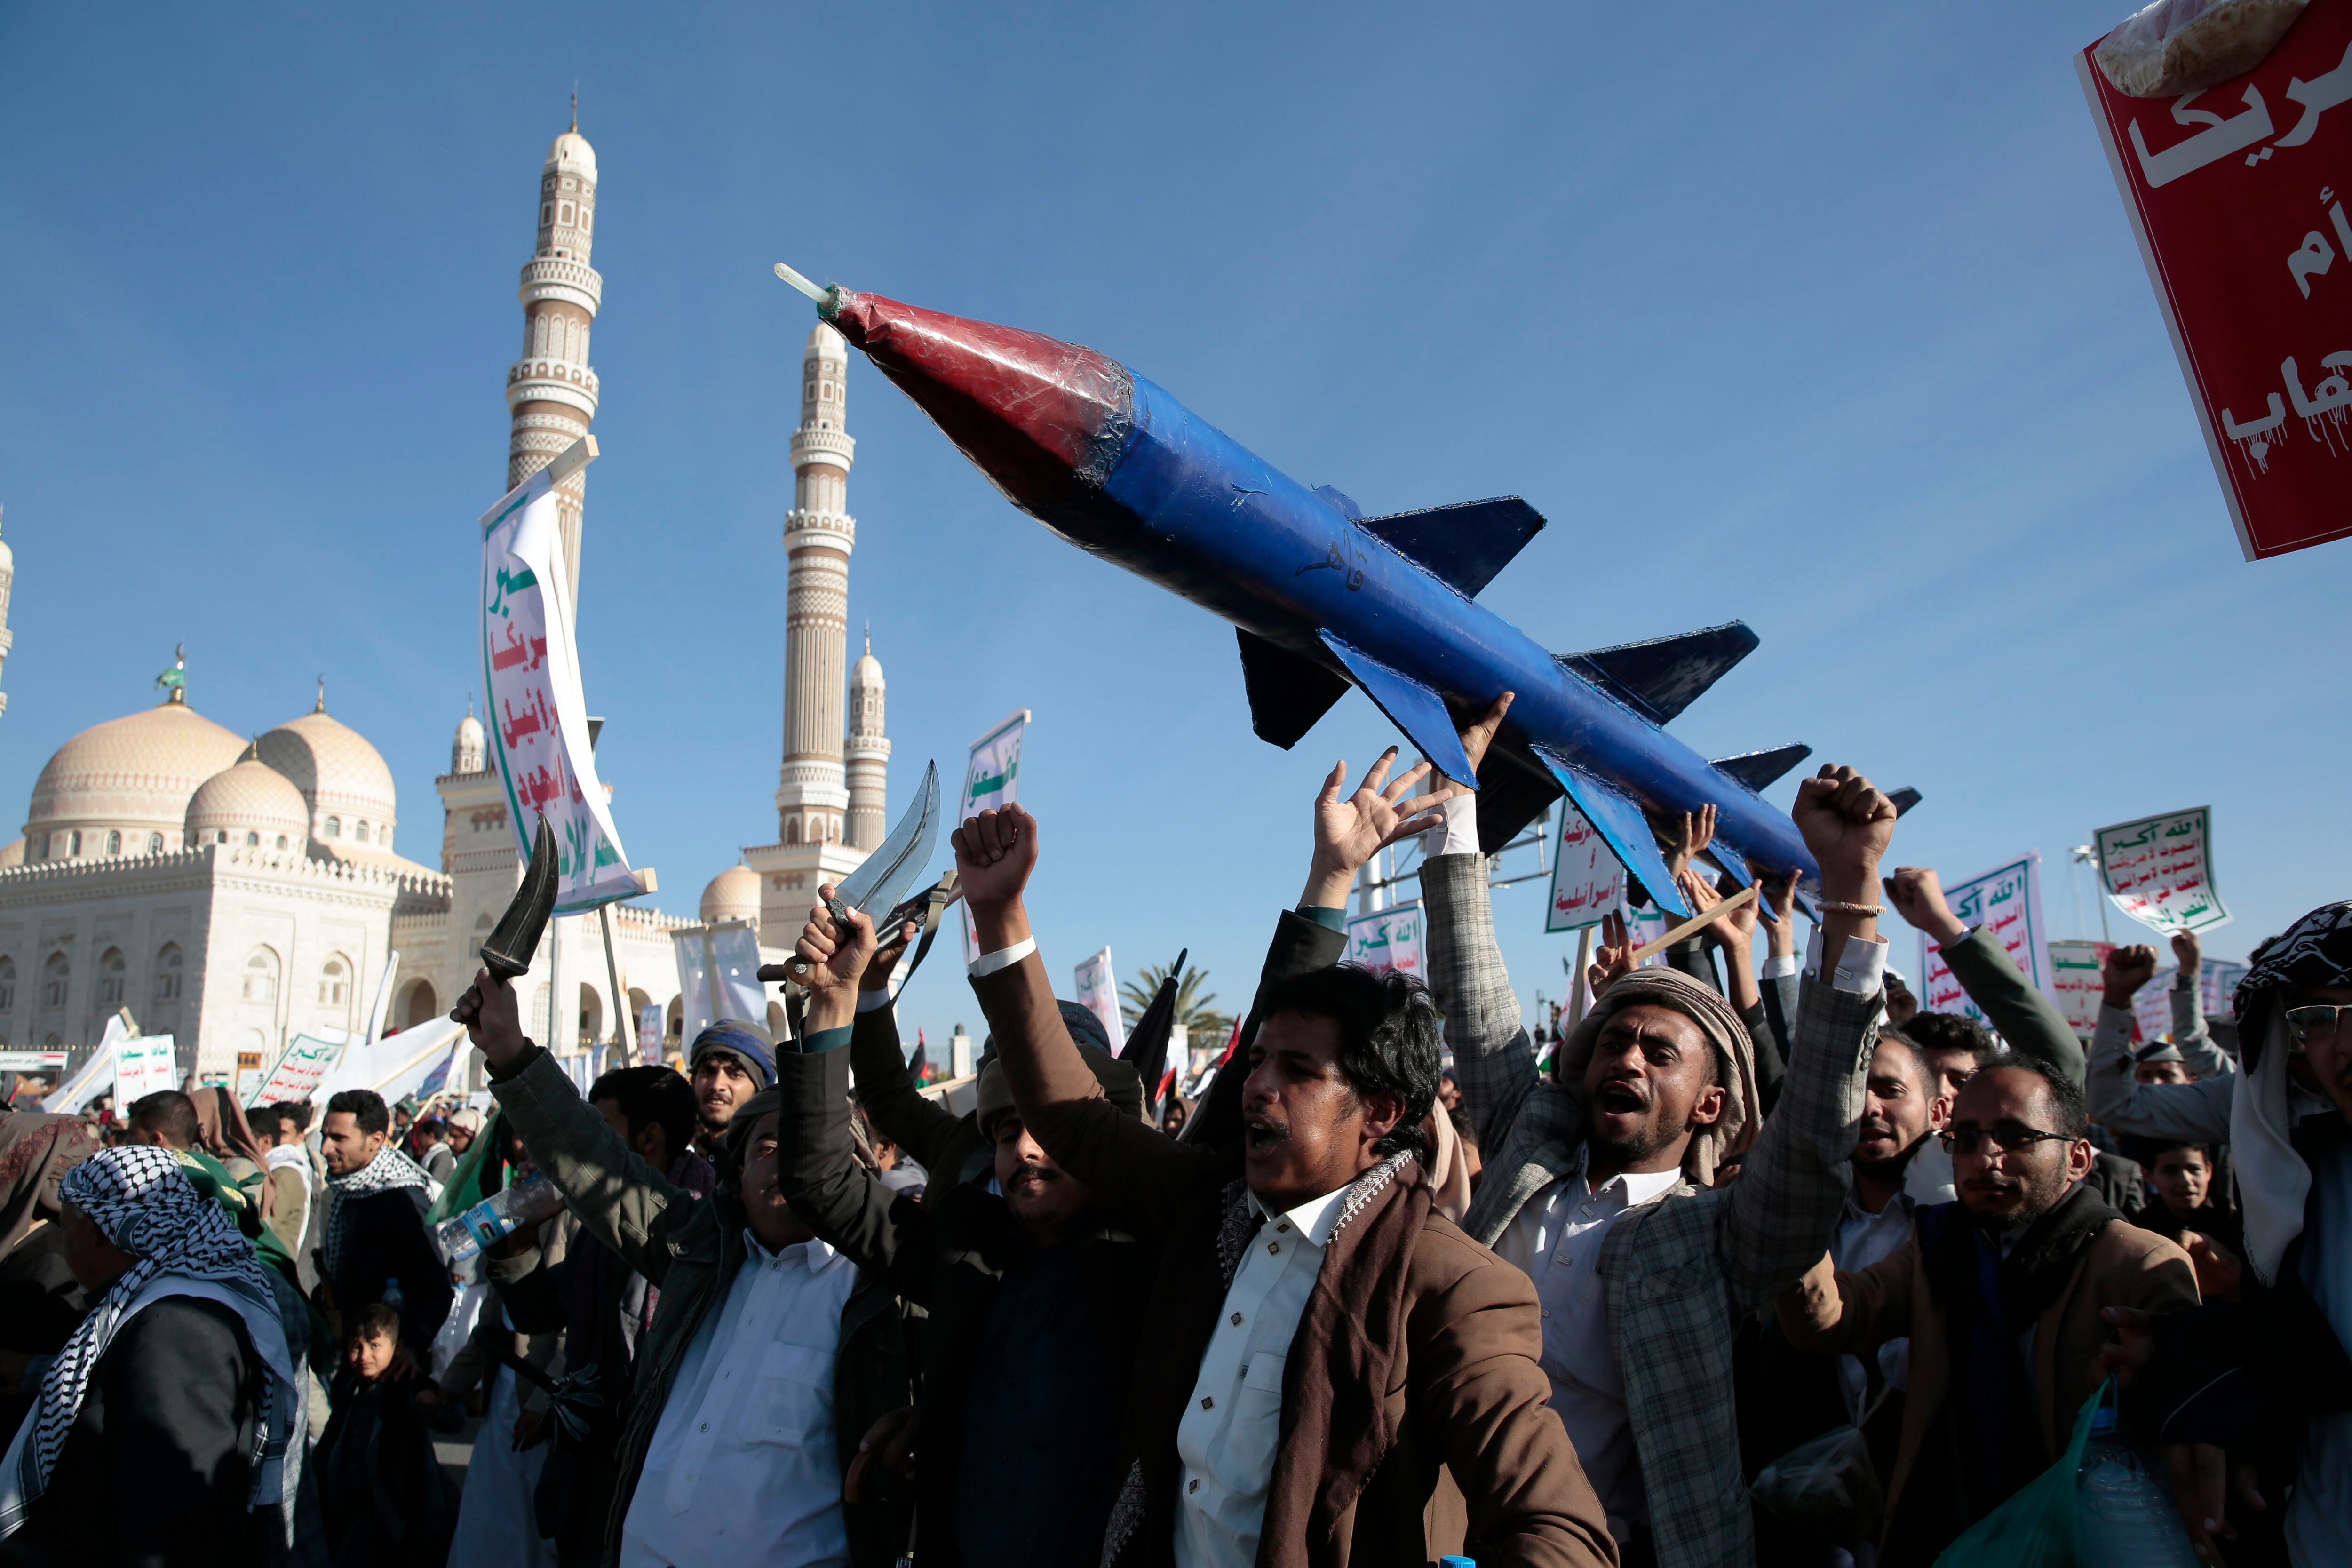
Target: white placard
296	1076
143	1067
2075	981
2160	870
991	777
734	947
538	717
649	1035
1099	994
1587	882
2006	901
96	1075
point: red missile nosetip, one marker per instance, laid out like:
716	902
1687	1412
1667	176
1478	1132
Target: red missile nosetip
1035	413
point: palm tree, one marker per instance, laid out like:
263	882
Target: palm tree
1201	1023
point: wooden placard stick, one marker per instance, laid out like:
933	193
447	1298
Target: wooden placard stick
1739	900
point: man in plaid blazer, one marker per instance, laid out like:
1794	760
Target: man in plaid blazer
1642	1276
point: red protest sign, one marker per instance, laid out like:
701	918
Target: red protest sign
2238	194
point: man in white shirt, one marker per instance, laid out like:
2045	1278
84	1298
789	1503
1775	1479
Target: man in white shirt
769	1356
1324	1339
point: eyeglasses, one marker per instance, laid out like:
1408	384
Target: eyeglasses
2304	1025
2008	1137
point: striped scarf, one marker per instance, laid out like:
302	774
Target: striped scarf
141	1201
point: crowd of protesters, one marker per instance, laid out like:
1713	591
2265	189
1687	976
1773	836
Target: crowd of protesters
1405	1278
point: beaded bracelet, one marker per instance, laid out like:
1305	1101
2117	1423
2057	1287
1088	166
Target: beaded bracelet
1846	909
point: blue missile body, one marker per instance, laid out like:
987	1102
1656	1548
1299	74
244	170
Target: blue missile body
1324	598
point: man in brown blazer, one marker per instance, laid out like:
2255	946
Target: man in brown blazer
1323	1341
2012	1276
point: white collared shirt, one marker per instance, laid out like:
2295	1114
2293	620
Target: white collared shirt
1226	1440
743	1470
1864	1238
1557	1239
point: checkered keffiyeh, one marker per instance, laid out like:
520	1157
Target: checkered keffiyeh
389	1169
139	1201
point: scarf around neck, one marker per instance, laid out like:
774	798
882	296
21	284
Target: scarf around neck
1989	1301
390	1169
1731	1133
141	1201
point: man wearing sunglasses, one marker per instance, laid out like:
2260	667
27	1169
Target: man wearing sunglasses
2002	1293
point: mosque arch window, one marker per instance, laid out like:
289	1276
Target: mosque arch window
110	972
73	843
335	983
154	844
168	967
252	840
334	828
261	976
564	213
113	842
546	213
7	984
282	841
220	835
55	975
362	832
384	835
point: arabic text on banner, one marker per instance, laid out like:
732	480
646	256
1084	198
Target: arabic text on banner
1587	882
1099	994
2237	194
737	994
991	778
2159	869
2151	1005
143	1067
2008	903
2075	984
537	716
2217	987
297	1074
1387	939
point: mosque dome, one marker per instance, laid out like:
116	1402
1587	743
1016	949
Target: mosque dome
572	148
124	783
341	778
251	804
732	895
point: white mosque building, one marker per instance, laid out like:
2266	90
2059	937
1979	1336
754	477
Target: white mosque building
234	894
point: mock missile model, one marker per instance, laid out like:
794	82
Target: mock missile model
1323	597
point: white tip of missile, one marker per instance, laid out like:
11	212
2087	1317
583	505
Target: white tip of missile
802	284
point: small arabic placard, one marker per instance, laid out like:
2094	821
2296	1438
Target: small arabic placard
2006	901
1387	939
1587	882
2160	870
2076	981
2231	193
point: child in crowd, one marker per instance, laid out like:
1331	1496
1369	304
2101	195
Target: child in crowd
387	1502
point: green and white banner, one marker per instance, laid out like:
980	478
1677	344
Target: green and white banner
538	715
2160	870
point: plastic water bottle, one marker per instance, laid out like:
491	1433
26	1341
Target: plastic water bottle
497	1217
2127	1513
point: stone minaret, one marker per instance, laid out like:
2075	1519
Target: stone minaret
8	638
550	390
812	802
868	753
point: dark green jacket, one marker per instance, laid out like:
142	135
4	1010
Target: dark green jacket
2027	1019
690	1250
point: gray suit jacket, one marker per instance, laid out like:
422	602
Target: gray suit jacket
1679	1273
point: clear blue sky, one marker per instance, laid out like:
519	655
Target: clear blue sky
1827	319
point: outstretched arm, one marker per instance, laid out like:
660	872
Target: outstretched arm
2177	1113
1062	1105
2027	1019
2199	1051
626	1202
1782	1213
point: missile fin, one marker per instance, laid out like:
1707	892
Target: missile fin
1759	769
1514	789
1622	825
1287	692
1660	677
1905	798
1411	708
1461	545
